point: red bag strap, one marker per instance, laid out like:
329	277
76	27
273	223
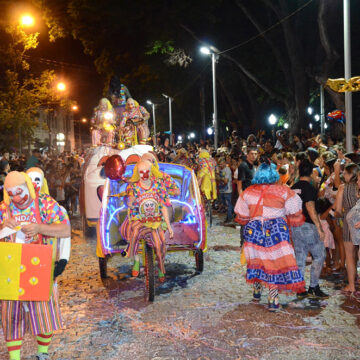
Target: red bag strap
263	189
38	218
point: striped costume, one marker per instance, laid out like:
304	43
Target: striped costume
265	210
146	220
40	317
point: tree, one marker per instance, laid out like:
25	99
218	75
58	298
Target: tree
22	94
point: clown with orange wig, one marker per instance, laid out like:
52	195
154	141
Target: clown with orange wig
41	221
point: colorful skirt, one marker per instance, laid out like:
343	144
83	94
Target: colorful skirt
270	256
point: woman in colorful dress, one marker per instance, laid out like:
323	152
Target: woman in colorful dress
266	209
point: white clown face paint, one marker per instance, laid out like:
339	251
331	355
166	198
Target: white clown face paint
20	196
37	179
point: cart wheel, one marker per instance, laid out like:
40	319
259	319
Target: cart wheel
209	212
103	267
149	273
199	258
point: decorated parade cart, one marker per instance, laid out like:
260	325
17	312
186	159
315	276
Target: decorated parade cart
186	215
93	180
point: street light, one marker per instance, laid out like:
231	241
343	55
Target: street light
179	138
27	20
61	86
192	135
210	131
310	110
75	108
286	125
310	126
317	117
170	115
272	119
84	120
214	58
154	119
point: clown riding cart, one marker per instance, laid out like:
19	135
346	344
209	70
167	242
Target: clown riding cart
185	213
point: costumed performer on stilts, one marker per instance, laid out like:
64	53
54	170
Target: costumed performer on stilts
45	221
266	210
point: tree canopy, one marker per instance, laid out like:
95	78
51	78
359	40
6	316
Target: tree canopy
286	50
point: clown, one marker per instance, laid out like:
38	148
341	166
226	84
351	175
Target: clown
38	180
206	175
165	178
104	123
148	216
40	186
41	221
171	188
139	117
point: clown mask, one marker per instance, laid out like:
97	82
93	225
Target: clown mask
20	196
37	179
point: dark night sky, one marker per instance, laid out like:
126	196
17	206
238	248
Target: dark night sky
85	86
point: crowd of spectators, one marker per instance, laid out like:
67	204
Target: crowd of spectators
332	186
62	172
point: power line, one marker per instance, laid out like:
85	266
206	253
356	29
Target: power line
60	64
268	29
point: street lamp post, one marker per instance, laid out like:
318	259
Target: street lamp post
170	116
154	119
347	63
214	57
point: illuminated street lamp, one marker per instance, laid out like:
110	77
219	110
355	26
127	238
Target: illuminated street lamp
179	138
27	20
84	120
310	110
317	117
75	108
310	126
192	135
210	131
61	86
272	119
286	125
214	58
154	119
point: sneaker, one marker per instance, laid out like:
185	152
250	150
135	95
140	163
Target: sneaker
257	295
302	295
136	269
274	306
42	356
316	292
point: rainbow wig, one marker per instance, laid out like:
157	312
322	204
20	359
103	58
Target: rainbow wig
266	174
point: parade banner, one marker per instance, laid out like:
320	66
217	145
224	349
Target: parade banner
26	271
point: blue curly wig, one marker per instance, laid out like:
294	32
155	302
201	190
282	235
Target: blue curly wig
266	174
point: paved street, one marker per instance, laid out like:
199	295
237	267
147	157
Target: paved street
207	316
